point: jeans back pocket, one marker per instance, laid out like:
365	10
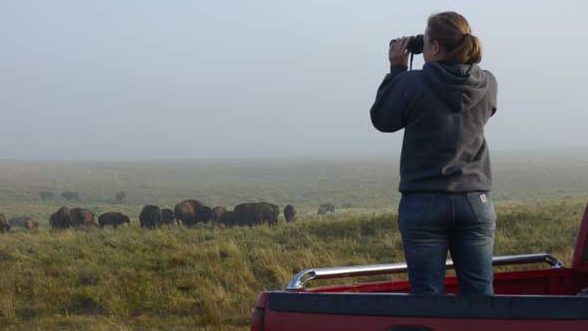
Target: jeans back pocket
483	207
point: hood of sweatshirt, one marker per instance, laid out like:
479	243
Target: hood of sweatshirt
461	86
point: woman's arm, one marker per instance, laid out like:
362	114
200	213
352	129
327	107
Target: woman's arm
388	112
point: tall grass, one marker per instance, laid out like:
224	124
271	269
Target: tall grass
208	279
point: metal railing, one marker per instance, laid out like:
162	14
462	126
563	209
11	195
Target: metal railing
305	276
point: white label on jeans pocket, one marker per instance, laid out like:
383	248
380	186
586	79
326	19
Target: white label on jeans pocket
483	198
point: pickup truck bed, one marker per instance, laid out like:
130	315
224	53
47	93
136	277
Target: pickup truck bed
551	299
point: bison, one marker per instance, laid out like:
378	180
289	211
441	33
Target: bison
23	221
226	219
245	214
290	213
327	208
269	212
203	214
168	217
255	213
217	214
4	226
82	217
113	218
186	212
150	217
61	219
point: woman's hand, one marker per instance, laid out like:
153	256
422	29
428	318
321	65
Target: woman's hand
398	55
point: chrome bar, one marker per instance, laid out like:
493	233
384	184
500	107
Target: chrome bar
305	276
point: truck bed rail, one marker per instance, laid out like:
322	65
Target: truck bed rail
305	276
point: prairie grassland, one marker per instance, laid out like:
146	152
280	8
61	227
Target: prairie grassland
207	279
178	278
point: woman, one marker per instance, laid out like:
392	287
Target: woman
445	176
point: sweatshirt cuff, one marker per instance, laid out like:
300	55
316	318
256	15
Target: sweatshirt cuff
396	69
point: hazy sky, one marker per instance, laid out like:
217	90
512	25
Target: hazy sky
108	79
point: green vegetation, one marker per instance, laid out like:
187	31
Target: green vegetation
208	279
187	278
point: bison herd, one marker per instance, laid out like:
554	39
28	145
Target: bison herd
192	212
20	221
186	213
72	218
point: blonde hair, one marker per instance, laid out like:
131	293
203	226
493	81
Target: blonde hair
452	31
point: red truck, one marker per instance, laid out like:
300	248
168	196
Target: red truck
549	299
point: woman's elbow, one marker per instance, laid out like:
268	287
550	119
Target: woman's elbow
385	127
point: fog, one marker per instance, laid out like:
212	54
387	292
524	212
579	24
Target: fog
237	79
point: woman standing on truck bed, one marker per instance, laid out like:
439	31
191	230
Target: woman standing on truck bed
445	176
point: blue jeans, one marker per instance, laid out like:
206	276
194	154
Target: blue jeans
433	223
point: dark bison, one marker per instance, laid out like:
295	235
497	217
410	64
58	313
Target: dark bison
61	219
327	208
255	213
270	212
290	213
113	218
226	219
82	217
70	196
186	212
217	214
150	217
167	217
203	214
24	222
4	226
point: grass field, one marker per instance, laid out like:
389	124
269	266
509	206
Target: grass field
208	279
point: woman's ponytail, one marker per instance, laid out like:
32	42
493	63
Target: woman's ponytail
453	33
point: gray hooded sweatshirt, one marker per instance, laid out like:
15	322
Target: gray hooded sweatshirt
443	109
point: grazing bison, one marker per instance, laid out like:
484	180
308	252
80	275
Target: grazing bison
226	219
167	217
61	219
290	213
217	213
203	214
255	213
4	226
23	221
327	208
245	214
186	212
70	196
269	212
113	218
150	217
82	217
